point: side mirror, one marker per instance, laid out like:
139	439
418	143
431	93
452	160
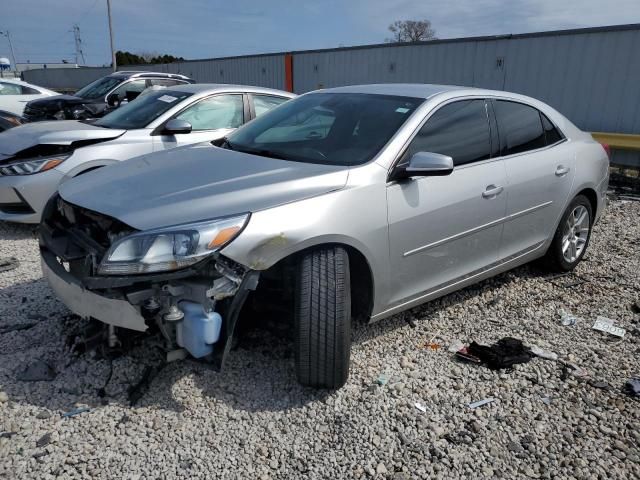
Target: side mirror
113	100
175	126
428	164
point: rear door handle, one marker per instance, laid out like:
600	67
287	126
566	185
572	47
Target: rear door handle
561	171
492	191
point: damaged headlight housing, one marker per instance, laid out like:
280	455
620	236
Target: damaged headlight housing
170	248
33	165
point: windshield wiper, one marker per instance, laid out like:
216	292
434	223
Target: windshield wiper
253	151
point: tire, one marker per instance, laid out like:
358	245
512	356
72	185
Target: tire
323	318
556	259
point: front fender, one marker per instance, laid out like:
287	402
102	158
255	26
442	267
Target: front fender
84	166
355	217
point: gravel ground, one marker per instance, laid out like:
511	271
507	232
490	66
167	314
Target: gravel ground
254	421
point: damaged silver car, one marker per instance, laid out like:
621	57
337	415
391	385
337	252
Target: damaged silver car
349	203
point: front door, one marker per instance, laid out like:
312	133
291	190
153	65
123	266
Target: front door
211	118
442	229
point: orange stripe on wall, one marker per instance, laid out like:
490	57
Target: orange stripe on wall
288	72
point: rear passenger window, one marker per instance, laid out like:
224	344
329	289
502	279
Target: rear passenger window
459	130
264	103
519	126
551	133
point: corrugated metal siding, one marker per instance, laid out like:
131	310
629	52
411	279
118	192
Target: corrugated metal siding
591	76
262	71
64	78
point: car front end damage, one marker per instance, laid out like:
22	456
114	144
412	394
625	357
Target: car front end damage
172	280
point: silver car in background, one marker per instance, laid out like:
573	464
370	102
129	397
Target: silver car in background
36	158
349	203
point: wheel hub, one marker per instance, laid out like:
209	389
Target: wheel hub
576	232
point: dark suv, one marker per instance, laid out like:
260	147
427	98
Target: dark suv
97	98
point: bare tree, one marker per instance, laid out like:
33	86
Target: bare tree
147	56
411	31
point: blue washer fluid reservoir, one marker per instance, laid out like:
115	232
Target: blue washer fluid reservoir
198	330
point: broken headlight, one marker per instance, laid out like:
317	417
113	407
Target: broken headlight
33	165
169	248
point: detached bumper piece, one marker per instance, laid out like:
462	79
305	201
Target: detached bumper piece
194	308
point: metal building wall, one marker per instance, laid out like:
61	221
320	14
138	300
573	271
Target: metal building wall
62	79
258	70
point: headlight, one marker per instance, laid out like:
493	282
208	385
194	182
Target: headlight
79	113
170	248
33	165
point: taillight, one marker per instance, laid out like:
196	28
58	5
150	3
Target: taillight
607	149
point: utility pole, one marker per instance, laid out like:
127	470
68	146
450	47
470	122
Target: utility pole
13	55
113	53
78	42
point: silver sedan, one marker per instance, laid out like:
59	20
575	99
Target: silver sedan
36	158
354	202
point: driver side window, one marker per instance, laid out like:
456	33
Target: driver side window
459	130
213	113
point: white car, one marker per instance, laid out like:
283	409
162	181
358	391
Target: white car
14	94
35	158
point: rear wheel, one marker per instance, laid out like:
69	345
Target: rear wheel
323	318
572	236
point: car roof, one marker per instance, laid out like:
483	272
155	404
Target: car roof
416	90
145	74
224	87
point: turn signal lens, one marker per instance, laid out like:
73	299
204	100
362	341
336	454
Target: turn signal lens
223	237
51	164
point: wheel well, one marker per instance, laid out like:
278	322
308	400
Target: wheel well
277	284
592	196
88	170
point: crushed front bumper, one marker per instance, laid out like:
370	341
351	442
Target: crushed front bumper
112	311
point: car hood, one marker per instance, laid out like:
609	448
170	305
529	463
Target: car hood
57	132
56	102
197	183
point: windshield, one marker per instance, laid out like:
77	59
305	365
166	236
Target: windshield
143	110
329	128
99	88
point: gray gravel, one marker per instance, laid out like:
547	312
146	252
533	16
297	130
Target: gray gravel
254	421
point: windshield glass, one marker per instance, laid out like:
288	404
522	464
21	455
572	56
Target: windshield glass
99	88
329	128
143	110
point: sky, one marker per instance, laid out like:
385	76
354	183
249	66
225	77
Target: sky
41	30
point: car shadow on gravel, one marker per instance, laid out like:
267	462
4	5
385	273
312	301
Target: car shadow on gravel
258	376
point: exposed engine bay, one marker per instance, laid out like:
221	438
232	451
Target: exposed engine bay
195	309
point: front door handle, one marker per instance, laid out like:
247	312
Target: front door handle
561	170
492	191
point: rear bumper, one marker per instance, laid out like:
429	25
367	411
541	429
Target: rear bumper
80	301
22	198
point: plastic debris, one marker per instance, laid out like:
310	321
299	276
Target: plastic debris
7	264
421	407
568	319
38	371
599	384
505	353
7	434
632	387
546	400
464	355
382	379
539	352
480	403
75	412
432	345
575	370
456	346
606	325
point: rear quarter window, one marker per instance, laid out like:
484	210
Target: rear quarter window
519	126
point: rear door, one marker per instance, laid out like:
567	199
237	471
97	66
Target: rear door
442	229
261	104
211	118
540	167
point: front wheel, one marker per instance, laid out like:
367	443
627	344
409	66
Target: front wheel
572	236
323	318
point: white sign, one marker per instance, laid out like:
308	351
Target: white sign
606	325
